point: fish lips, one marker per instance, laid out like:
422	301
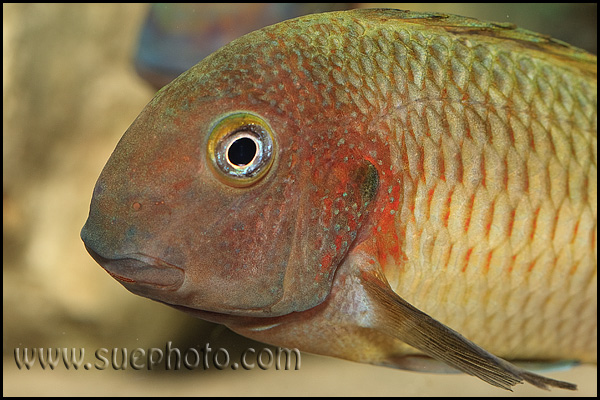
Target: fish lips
139	271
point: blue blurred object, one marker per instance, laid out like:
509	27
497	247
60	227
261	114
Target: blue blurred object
175	37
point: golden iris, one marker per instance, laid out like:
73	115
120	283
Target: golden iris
240	149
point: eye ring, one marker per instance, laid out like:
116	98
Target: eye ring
240	149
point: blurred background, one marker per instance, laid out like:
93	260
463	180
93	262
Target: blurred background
74	78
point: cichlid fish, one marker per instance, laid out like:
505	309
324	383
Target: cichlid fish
374	185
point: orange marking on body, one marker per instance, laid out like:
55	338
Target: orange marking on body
511	222
447	213
573	269
468	220
442	167
338	242
388	242
512	263
488	261
325	264
511	134
488	226
535	218
327	204
430	196
467	259
575	231
505	176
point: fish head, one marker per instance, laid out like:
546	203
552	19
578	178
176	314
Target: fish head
221	197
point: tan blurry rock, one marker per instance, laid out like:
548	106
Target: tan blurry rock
70	92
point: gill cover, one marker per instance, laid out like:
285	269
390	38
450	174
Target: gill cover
302	219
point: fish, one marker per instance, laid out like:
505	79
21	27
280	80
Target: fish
175	36
412	190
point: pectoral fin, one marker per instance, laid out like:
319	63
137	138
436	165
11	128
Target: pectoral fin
397	318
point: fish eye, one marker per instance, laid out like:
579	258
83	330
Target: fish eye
240	149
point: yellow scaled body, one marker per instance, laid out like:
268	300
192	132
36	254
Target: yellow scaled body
499	216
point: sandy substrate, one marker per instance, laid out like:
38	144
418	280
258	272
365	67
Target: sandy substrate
318	376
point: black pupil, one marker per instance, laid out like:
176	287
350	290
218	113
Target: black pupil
242	151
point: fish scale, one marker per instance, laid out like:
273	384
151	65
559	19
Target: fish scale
502	98
517	183
433	182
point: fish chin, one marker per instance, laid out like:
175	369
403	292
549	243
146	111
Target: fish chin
138	271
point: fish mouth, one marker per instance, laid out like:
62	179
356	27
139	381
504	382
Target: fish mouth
141	269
